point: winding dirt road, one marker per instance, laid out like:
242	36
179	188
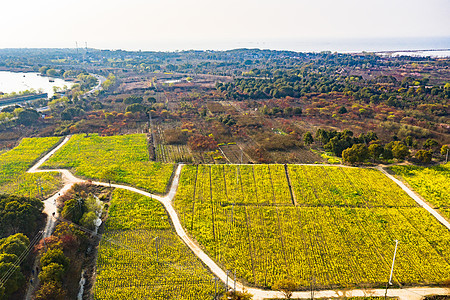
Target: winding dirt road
258	294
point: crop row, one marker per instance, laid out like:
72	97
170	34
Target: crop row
140	256
173	153
122	158
341	235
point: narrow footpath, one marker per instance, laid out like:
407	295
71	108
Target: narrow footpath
258	294
416	198
50	205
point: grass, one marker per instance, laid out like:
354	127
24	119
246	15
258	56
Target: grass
328	157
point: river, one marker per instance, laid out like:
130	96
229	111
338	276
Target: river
18	82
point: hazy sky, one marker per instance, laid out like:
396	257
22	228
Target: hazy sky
176	24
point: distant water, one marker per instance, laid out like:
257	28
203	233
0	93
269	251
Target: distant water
438	53
19	82
308	45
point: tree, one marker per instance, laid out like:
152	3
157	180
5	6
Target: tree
375	150
88	220
424	156
136	107
445	151
15	244
70	113
7	258
43	70
409	141
308	138
19	214
322	136
387	153
50	242
357	153
431	144
55	256
339	143
27	117
399	150
132	99
52	272
73	210
86	81
51	72
342	110
51	291
15	281
286	286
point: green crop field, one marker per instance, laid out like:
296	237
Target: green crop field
124	156
35	184
14	164
337	227
130	266
432	183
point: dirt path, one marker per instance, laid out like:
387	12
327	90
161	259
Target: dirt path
416	198
258	294
50	205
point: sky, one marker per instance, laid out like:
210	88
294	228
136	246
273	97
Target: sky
210	24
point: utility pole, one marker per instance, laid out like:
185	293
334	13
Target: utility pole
215	287
392	270
43	240
226	286
232	212
446	156
235	282
157	254
37	187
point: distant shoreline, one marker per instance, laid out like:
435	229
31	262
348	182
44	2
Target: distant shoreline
421	50
295	44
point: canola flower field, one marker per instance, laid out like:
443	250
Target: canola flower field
141	257
121	158
324	226
14	164
335	227
432	183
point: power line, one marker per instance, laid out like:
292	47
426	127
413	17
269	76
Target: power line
20	259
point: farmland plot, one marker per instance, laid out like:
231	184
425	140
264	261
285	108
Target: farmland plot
432	183
15	163
337	228
141	257
122	158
